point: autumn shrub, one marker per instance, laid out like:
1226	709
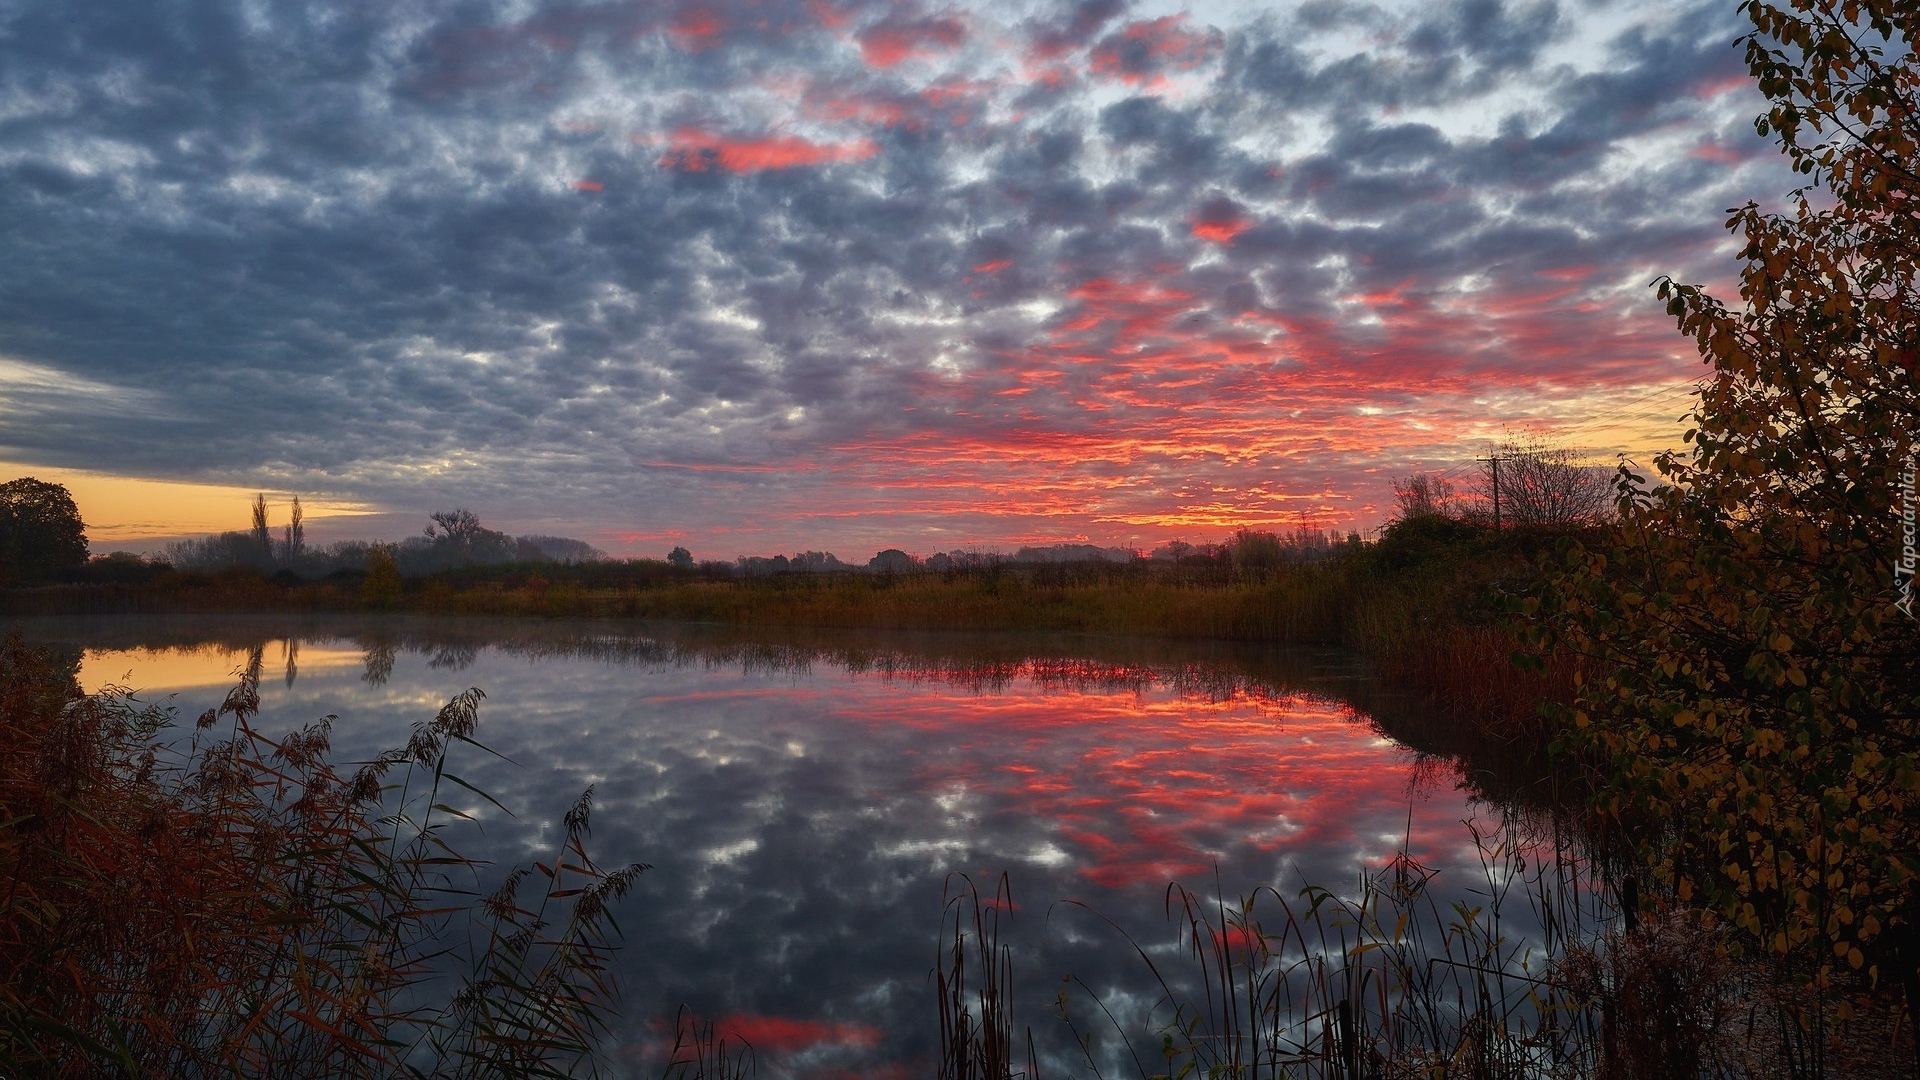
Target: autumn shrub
1755	707
218	902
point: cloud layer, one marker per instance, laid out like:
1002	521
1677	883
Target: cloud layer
767	275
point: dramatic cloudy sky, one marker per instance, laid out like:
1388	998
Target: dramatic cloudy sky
757	275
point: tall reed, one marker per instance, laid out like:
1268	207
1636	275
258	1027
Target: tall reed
1390	982
973	981
237	907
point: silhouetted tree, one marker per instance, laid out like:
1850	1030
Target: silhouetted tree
1541	484
41	534
296	537
680	557
459	539
262	538
1423	494
891	561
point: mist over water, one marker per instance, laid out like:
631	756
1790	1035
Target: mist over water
804	799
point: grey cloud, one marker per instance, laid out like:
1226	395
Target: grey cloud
336	245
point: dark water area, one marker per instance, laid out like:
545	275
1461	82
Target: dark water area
805	798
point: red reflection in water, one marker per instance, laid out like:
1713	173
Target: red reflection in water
1145	777
786	1035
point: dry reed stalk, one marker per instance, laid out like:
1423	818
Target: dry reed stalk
237	907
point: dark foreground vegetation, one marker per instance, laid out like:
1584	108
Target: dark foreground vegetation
220	903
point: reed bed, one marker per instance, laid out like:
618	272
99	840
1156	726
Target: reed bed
1546	970
231	904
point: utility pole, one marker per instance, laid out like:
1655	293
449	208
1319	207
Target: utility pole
1494	460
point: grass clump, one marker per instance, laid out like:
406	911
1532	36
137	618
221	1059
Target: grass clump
229	904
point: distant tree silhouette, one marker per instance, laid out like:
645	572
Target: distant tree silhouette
1542	485
41	534
680	557
1423	494
296	535
458	539
891	561
262	537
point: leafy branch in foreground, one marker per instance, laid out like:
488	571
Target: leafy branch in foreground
1758	722
237	907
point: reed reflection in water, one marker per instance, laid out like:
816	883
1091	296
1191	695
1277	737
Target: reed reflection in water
804	800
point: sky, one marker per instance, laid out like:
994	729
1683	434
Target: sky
758	276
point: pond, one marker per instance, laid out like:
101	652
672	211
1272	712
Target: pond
805	800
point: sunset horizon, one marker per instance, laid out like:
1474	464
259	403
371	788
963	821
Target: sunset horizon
767	277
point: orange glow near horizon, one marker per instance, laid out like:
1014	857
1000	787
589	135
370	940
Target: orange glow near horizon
130	510
153	671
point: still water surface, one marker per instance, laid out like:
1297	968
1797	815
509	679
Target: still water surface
804	800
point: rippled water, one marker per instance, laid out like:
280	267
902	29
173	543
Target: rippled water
803	800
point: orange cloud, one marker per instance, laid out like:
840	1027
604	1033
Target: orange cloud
693	149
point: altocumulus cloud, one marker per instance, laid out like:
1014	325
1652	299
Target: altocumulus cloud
855	273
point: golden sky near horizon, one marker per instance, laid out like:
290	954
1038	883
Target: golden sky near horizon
131	509
150	671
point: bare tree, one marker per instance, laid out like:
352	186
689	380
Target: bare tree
261	536
1424	495
296	535
1527	481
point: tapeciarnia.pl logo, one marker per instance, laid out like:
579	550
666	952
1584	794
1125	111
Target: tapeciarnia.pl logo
1903	567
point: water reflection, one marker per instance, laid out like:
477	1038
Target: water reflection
803	799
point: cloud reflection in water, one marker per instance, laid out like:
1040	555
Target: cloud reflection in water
802	807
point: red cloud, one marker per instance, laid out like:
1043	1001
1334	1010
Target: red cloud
1143	50
1715	152
696	28
888	42
588	185
1220	232
829	16
694	149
